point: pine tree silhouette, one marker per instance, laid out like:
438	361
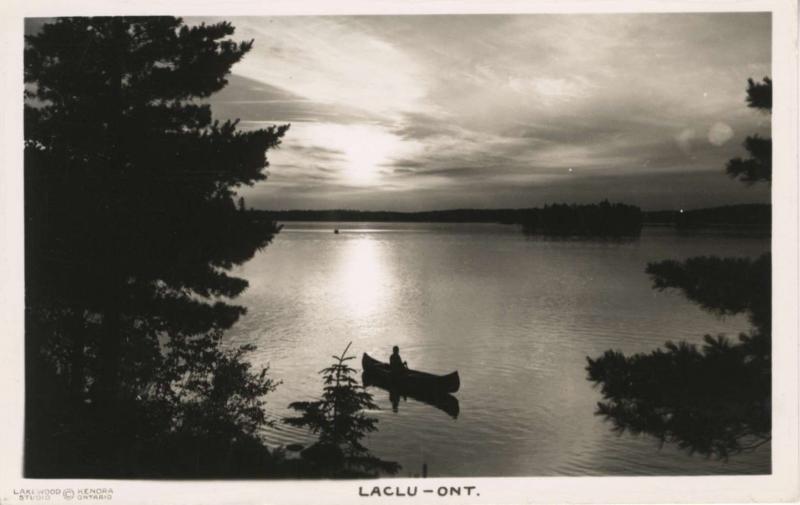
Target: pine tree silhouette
339	419
131	227
758	167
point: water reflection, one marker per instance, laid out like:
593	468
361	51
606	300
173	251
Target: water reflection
362	277
445	402
516	317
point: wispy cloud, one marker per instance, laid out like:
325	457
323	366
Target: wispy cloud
395	112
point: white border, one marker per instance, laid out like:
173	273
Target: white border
781	486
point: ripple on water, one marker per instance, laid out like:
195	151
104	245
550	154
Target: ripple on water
516	317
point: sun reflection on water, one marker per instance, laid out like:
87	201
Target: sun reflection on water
363	279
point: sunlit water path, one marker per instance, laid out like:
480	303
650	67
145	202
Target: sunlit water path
516	316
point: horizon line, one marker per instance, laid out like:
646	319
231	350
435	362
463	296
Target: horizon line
495	209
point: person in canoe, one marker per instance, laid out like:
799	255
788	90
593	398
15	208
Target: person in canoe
396	363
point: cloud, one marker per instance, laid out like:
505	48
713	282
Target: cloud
408	108
257	103
327	61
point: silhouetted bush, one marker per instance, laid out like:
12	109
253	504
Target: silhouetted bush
339	419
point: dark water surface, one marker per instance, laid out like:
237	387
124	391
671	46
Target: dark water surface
515	316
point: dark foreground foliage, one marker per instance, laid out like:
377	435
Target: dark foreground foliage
758	166
715	400
131	228
339	419
723	286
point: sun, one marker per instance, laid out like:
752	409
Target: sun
366	149
366	156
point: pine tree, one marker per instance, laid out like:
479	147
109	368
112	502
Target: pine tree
758	167
131	226
715	400
339	419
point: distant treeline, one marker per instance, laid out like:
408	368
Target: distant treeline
756	215
503	216
603	220
556	219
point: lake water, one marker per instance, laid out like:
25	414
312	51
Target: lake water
517	318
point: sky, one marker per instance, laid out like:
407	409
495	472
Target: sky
485	111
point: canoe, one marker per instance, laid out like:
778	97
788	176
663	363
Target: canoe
411	380
445	402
